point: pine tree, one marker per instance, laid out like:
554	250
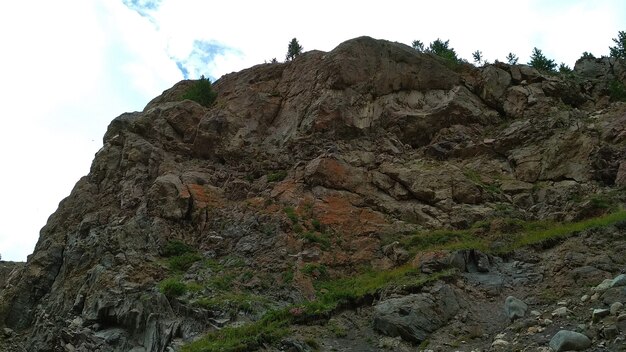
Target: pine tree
478	56
587	55
619	51
418	45
201	92
512	59
294	49
540	62
442	49
563	68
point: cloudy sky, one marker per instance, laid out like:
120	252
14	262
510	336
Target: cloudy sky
68	67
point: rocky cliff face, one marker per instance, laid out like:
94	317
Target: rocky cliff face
317	169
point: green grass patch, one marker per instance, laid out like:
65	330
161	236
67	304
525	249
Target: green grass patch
291	214
249	337
336	329
317	225
183	262
318	238
601	202
174	248
213	264
319	271
221	282
172	287
276	176
194	287
476	179
561	230
287	277
440	239
201	91
332	294
232	261
346	292
504	235
617	90
231	301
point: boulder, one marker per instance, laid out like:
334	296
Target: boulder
466	192
619	280
598	314
566	340
592	67
495	83
614	294
514	308
415	317
515	186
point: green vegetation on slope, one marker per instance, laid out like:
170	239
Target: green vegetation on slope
201	92
348	292
504	235
332	295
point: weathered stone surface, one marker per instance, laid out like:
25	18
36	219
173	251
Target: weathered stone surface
616	308
619	280
614	294
496	81
620	179
416	316
566	340
319	168
598	314
514	186
514	308
466	192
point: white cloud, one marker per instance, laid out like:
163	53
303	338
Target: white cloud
68	67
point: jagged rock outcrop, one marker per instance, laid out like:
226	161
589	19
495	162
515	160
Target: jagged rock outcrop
415	317
361	144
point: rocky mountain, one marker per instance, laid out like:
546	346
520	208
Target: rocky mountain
368	198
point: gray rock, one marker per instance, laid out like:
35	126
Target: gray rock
620	178
560	312
8	332
500	343
415	317
592	68
587	275
610	332
111	336
566	340
496	81
621	323
616	308
482	262
614	294
619	280
138	349
514	308
604	285
598	314
295	345
457	260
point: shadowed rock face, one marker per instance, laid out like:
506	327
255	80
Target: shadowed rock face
373	139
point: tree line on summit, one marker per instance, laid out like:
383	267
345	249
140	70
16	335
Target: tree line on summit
202	93
537	59
442	48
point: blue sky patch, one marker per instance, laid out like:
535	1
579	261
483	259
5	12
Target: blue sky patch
143	7
200	60
182	69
